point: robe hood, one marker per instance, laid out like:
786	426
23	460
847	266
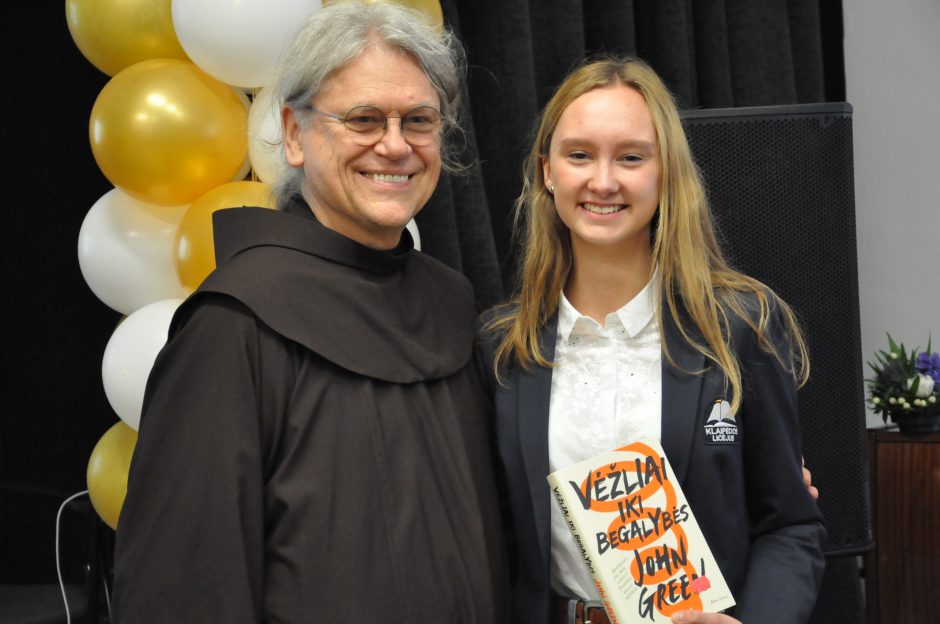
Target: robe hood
397	315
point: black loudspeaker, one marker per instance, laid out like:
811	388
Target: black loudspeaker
780	183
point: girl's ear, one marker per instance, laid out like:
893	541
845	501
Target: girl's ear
547	174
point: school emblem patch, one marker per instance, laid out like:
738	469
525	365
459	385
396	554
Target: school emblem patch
720	425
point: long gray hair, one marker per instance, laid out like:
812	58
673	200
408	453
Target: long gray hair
337	35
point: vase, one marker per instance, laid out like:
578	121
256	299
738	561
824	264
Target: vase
918	423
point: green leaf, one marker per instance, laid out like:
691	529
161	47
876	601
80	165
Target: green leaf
891	343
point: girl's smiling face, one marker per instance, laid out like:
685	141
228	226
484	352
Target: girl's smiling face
604	166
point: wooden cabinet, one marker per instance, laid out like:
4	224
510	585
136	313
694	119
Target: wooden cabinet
902	573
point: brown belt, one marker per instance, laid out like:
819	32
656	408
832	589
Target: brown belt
583	612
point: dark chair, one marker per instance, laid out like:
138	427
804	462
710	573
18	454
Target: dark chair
29	588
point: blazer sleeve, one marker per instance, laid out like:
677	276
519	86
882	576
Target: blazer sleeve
484	355
786	560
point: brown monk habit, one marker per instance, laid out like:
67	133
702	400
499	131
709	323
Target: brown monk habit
313	446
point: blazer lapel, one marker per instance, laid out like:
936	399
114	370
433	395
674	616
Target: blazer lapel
535	388
681	392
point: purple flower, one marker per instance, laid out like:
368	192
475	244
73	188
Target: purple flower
928	364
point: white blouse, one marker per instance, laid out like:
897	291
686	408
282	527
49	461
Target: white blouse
606	392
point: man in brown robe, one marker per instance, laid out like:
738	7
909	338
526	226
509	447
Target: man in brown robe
314	446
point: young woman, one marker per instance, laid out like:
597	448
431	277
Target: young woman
628	323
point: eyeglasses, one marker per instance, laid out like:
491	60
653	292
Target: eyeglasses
366	125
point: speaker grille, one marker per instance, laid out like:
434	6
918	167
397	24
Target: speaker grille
780	183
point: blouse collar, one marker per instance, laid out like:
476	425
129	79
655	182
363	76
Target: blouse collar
633	316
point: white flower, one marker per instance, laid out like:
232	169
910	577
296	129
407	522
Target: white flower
875	401
924	388
932	399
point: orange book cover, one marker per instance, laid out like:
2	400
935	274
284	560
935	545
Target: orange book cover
638	536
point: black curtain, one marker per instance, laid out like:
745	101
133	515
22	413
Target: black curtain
712	53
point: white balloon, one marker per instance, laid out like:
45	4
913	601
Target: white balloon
130	354
246	166
125	251
266	137
244	171
238	41
413	228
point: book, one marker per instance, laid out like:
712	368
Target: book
638	536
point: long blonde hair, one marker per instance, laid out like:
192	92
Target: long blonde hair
694	274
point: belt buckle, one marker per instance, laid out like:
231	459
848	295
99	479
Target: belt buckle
591	604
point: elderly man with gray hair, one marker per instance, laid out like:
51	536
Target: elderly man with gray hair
314	445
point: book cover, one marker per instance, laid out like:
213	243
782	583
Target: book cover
638	536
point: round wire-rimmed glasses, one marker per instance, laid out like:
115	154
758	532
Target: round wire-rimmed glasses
366	125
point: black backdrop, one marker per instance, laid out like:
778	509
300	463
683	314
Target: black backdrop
713	53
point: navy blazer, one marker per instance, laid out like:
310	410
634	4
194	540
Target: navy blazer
763	527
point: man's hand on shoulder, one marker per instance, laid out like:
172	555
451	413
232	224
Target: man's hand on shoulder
808	482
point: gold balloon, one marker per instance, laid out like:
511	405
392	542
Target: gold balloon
195	250
166	132
114	34
430	8
107	471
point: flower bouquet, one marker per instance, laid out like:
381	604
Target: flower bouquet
906	387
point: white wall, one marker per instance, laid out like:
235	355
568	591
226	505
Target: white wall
892	73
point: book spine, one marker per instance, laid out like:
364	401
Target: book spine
588	553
